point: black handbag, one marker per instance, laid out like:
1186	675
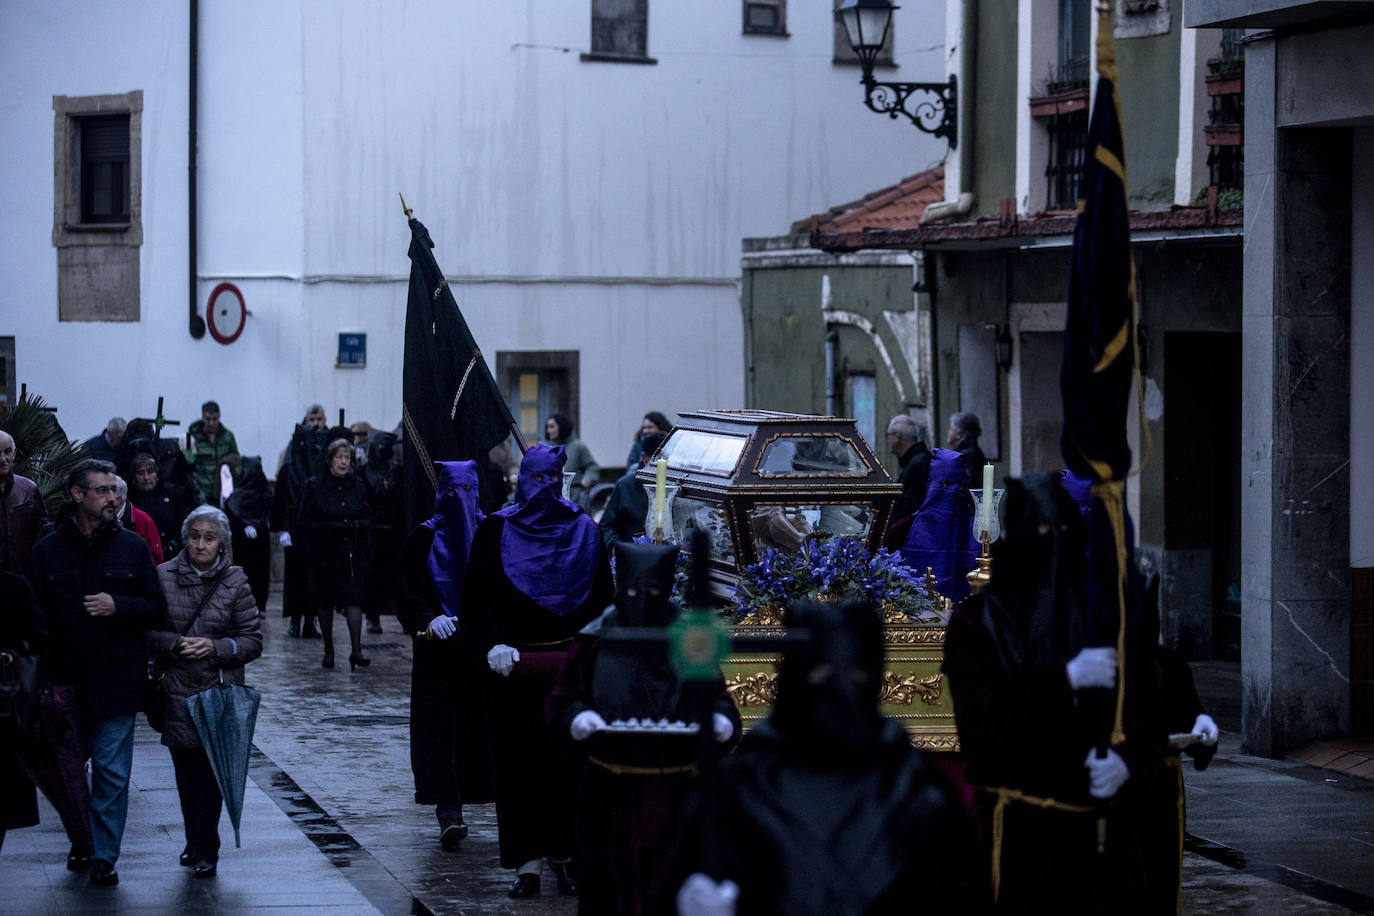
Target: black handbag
152	687
19	681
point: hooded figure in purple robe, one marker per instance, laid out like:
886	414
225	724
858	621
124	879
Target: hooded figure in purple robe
549	545
454	523
536	576
448	753
941	535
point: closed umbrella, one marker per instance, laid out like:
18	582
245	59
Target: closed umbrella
224	717
52	756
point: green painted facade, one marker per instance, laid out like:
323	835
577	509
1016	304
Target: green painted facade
994	112
786	331
1148	90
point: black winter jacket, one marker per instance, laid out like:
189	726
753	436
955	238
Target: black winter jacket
106	658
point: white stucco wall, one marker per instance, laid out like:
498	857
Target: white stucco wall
593	206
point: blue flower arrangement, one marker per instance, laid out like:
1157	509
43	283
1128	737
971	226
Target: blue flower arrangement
835	569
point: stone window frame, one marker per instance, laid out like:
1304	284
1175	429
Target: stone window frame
510	363
614	10
9	377
778	6
67	228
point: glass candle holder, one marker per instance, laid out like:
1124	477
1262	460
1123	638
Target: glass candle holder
658	525
994	520
568	477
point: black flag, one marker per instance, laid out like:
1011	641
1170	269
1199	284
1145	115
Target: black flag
452	409
1098	373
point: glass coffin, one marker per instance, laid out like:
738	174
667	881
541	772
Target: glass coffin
756	478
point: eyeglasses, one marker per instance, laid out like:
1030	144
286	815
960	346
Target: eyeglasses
100	491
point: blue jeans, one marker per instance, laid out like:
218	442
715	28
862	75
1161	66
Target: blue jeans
109	741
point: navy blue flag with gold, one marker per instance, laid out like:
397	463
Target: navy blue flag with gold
452	408
1098	372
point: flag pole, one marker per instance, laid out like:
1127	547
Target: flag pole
514	427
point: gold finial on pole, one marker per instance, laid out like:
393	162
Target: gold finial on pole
410	214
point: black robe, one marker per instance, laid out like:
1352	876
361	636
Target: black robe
535	775
826	809
448	724
250	505
1026	735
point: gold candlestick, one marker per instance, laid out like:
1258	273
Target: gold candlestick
981	576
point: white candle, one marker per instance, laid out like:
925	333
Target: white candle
987	499
660	486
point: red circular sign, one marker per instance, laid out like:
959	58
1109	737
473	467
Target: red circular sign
226	314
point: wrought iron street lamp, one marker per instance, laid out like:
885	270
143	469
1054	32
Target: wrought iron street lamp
866	24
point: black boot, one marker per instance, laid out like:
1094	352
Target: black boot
563	873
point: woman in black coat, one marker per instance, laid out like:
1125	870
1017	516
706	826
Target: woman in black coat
22	630
165	506
335	520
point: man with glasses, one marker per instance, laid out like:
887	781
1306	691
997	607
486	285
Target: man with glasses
98	588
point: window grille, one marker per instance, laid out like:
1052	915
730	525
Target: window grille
1064	172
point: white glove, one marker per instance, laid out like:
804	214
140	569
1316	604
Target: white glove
285	538
1205	727
700	896
1106	775
251	532
1092	668
722	727
502	659
443	626
584	723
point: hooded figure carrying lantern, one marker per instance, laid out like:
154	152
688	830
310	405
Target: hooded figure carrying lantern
826	809
537	575
634	784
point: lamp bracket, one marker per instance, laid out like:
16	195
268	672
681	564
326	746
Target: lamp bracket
938	115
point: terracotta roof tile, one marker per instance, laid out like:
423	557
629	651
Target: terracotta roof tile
898	206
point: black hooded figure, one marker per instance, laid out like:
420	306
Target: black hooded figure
249	508
826	809
1029	721
382	474
634	786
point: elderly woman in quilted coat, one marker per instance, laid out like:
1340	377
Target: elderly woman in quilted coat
200	653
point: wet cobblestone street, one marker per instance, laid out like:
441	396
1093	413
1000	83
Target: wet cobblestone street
330	824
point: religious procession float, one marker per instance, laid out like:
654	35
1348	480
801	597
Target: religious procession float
795	506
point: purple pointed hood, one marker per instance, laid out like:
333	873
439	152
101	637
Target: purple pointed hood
455	521
549	546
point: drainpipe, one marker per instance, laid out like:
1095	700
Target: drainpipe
197	324
961	204
831	345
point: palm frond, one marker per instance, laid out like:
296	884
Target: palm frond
42	451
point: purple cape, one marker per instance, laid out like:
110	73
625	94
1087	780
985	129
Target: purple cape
1080	490
550	548
455	521
941	535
